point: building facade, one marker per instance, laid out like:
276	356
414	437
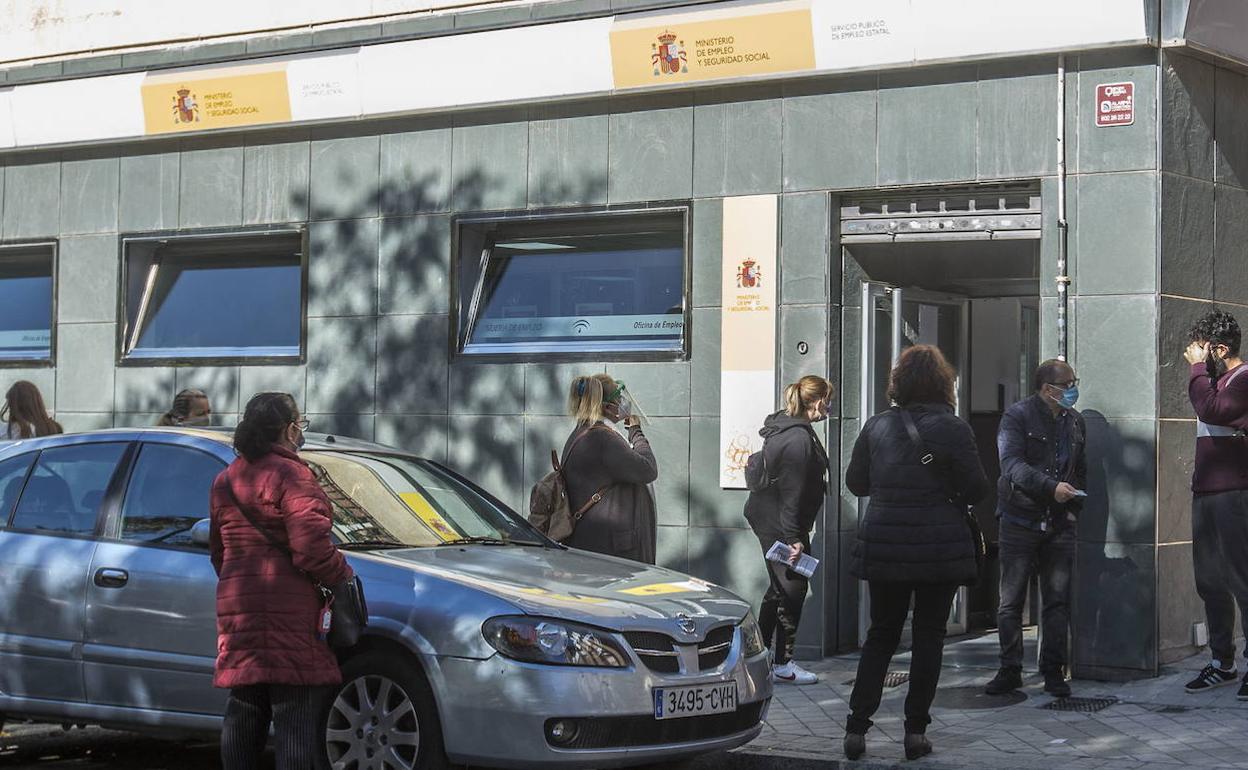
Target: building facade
427	248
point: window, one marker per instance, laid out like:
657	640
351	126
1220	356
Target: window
26	302
12	475
587	284
167	494
66	489
233	296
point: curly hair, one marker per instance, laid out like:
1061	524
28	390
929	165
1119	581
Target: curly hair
922	376
264	419
1219	328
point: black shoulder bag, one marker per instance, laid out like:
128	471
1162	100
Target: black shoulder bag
978	544
345	600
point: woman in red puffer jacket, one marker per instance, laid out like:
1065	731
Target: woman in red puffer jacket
269	653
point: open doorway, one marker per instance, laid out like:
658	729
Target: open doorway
959	270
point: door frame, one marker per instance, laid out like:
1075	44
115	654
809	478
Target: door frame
872	291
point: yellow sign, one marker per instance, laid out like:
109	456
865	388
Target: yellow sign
707	45
660	589
421	507
220	98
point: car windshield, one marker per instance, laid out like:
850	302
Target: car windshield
389	500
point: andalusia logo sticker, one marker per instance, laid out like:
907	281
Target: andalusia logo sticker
185	108
668	56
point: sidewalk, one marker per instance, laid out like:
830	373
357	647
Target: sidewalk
1147	725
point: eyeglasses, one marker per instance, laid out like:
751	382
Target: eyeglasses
303	424
1066	385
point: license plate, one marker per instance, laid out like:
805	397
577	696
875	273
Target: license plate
695	700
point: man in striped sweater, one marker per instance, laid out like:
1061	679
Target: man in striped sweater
1218	387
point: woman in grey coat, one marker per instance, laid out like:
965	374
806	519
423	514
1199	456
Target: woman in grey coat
598	460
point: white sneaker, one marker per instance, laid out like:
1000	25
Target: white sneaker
791	673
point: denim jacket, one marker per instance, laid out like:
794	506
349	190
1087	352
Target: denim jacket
1028	443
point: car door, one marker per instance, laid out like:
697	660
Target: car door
52	499
151	635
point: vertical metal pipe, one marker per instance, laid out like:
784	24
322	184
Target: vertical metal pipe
1063	280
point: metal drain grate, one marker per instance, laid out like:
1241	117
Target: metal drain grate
1084	705
1172	709
891	679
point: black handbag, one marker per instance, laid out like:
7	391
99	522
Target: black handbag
348	607
978	543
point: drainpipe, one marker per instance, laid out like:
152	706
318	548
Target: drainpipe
1063	280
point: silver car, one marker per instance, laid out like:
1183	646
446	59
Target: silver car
487	643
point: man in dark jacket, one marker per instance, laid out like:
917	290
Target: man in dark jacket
1040	494
1218	388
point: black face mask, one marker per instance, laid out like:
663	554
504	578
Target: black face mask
1215	365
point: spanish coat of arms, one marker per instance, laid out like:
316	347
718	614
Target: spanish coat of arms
749	275
185	108
668	55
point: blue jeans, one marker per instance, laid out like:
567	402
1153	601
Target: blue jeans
1025	553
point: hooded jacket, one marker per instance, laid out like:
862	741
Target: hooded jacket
914	528
786	510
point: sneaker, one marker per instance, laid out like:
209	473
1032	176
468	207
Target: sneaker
791	673
1211	677
917	745
1006	680
1243	689
1055	684
855	745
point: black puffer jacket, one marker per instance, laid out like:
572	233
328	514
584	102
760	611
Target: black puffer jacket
912	532
786	510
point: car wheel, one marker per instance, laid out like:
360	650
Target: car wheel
383	718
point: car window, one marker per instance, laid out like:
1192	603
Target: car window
167	494
404	501
66	488
12	474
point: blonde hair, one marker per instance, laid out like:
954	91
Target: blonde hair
809	390
588	395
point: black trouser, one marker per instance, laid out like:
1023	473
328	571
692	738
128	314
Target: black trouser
1220	561
1024	553
781	610
890	603
296	712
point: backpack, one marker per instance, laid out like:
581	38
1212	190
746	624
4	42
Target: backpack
757	478
549	509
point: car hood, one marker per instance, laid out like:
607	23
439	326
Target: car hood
576	585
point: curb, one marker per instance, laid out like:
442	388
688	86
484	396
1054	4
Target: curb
755	759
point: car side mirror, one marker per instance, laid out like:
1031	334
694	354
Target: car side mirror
200	533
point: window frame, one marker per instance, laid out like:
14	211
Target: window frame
110	531
124	351
460	323
18	246
108	503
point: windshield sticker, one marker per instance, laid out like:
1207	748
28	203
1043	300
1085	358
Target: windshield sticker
659	589
420	506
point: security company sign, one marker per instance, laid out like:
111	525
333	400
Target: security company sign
1115	104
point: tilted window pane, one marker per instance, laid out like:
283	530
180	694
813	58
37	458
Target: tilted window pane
168	493
26	306
202	301
604	284
66	488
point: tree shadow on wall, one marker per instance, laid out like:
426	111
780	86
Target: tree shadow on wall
380	331
1114	623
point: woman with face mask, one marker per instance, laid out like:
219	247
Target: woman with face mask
269	653
785	511
610	470
190	408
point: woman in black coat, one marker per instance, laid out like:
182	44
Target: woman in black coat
913	539
785	511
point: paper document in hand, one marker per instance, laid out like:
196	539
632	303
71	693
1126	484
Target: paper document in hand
806	564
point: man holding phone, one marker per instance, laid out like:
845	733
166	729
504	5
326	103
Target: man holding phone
1040	494
1218	388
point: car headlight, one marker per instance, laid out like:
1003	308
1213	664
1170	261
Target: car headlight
751	637
557	642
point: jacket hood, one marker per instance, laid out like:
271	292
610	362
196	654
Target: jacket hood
780	422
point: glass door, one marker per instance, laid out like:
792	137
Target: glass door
893	319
